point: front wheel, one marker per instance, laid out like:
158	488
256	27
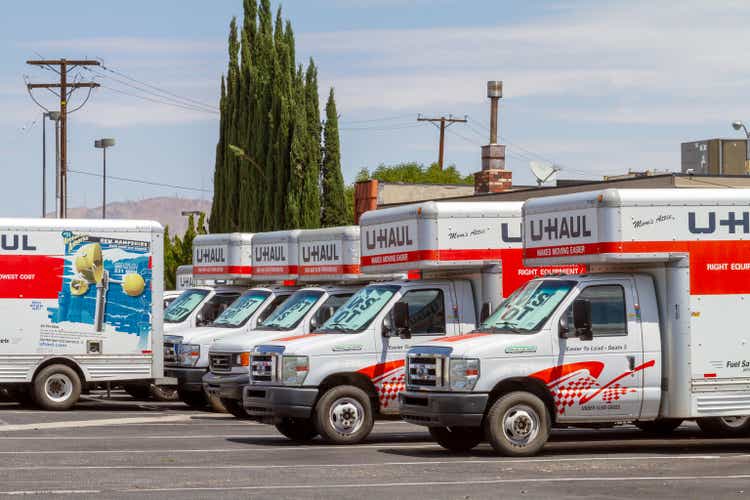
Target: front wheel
297	429
195	400
725	426
517	424
343	415
56	387
457	438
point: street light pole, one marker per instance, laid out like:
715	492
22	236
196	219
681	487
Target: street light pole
44	164
103	144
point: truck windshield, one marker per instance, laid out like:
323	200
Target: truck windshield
182	306
526	310
241	309
290	313
359	311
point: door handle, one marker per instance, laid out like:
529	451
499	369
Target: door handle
631	362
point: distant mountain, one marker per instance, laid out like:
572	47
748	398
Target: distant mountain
166	210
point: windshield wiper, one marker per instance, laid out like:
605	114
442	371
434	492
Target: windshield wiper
505	326
337	327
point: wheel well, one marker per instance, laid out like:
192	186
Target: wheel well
524	384
61	361
355	379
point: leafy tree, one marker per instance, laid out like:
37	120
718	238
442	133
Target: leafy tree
333	203
179	251
415	173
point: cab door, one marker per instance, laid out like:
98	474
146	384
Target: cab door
602	378
429	310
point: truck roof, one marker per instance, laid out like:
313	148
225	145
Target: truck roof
81	224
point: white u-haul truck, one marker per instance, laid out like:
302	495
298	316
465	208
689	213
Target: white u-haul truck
81	302
221	268
337	381
183	281
652	335
186	353
320	256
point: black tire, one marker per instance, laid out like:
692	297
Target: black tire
235	407
138	391
300	430
517	424
195	400
659	426
725	426
21	395
164	393
56	388
457	438
343	415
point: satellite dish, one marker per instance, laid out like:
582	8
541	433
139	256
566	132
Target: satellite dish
543	171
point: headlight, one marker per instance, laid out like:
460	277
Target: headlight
188	354
464	374
294	369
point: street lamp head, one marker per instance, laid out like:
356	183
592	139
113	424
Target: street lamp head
53	115
104	143
737	125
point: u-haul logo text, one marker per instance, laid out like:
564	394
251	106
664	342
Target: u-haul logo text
270	253
322	252
560	228
388	237
12	242
733	222
210	255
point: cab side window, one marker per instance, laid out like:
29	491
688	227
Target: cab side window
276	302
328	309
426	312
608	310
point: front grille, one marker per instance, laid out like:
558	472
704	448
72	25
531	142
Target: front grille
220	363
170	354
425	371
262	367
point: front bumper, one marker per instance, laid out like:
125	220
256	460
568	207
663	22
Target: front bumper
441	409
227	386
188	379
272	403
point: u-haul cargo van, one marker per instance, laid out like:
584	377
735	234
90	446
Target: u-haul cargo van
336	381
221	267
320	256
222	258
81	302
652	335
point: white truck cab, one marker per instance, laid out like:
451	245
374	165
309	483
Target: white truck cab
277	256
336	381
649	336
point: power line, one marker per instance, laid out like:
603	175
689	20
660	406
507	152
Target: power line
444	123
140	181
384	119
394	127
157	101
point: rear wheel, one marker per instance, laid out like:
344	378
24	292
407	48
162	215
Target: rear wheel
725	426
56	387
659	426
343	415
297	429
457	438
163	393
195	400
517	424
21	395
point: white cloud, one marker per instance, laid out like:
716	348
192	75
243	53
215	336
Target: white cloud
101	45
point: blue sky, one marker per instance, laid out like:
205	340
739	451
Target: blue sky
596	87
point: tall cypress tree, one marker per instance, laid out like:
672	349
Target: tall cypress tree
310	195
334	203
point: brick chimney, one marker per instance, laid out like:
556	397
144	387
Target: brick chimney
493	178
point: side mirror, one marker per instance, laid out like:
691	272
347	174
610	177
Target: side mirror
485	312
401	319
582	319
388	330
326	314
200	320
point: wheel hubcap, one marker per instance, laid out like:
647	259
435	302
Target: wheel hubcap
734	422
346	416
520	425
58	387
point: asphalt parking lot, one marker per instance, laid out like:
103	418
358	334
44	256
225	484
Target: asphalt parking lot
122	448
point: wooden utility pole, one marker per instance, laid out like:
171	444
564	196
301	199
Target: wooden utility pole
66	89
444	123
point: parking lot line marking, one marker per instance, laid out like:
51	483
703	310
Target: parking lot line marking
48	492
359	465
161	436
92	423
392	485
